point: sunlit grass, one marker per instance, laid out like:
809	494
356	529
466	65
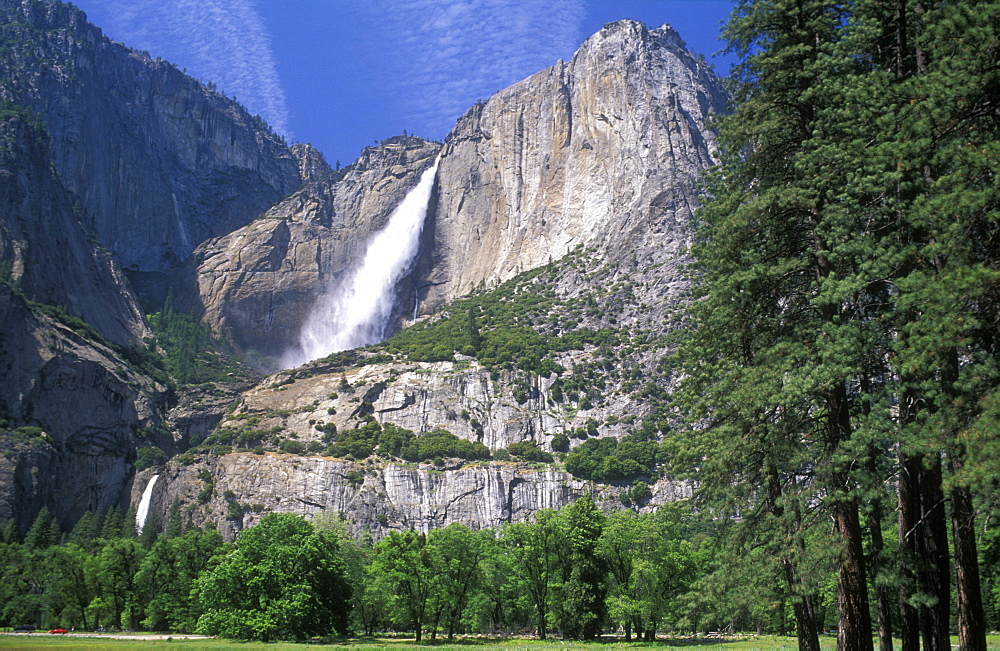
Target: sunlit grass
762	643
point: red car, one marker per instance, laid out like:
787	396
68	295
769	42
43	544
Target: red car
58	631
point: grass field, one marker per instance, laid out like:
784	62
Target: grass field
44	641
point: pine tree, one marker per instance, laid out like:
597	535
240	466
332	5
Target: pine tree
44	531
175	525
787	274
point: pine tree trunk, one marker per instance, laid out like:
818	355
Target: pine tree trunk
882	596
908	494
854	629
805	620
883	607
936	576
971	618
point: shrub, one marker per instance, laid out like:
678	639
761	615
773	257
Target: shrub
609	459
292	447
149	457
529	451
560	443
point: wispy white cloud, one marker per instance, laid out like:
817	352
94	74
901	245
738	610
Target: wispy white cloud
446	54
223	41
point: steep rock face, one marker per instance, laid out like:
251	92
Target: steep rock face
158	162
591	166
603	151
375	498
312	163
91	407
257	284
70	406
44	249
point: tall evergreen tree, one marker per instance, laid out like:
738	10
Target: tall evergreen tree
44	531
785	288
848	255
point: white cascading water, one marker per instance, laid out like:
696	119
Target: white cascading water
356	313
143	511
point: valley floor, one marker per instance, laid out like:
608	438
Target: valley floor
141	641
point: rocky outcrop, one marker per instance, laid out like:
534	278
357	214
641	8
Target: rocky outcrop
603	151
91	410
312	163
591	165
257	285
467	399
158	162
376	498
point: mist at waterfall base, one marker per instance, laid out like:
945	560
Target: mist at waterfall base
356	312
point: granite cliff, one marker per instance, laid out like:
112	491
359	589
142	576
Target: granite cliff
68	320
157	161
548	275
112	164
604	151
585	173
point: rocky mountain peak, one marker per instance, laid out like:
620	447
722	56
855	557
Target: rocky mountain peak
312	164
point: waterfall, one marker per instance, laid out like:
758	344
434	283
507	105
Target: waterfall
143	510
357	312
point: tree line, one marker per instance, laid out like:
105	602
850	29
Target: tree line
841	352
576	573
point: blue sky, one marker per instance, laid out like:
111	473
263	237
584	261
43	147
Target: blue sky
342	74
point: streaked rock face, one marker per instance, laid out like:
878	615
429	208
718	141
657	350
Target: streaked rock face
601	154
379	497
596	158
603	151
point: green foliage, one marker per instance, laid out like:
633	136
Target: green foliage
490	327
149	457
610	459
846	306
26	434
393	441
284	580
403	573
193	355
44	531
289	446
582	590
560	443
441	443
529	451
167	575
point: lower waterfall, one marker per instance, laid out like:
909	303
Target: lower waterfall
142	512
356	312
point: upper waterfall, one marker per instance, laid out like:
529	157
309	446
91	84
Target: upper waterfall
356	312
